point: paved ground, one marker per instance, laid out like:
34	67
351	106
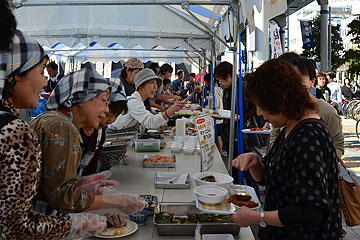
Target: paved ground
352	162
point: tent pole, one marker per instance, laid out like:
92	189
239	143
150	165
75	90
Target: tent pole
195	50
179	15
115	3
192	60
186	8
233	91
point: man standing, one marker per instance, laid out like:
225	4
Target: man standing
191	86
177	86
54	76
335	95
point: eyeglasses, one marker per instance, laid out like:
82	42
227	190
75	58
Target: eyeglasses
105	101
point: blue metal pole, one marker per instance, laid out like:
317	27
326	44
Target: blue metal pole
240	110
213	96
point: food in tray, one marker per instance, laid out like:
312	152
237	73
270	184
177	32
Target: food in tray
114	232
159	159
257	129
216	113
242	200
186	182
190	129
191	218
209	178
180	115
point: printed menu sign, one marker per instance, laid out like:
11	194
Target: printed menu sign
206	133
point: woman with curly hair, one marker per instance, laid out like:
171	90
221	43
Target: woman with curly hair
300	172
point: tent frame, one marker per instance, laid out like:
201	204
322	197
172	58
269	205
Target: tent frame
235	5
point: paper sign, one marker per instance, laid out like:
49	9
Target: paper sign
276	49
206	134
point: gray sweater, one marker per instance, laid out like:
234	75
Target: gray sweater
332	119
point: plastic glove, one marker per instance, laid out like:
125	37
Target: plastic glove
94	177
116	219
127	203
86	225
97	187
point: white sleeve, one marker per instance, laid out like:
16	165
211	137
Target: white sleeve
338	97
138	111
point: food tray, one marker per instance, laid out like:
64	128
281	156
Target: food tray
147	145
188	229
228	208
249	131
162	180
127	137
114	147
152	200
159	165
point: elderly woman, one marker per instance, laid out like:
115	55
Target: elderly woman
146	84
79	100
92	139
300	172
327	113
128	73
21	81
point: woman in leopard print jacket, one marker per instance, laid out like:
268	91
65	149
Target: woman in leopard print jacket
21	81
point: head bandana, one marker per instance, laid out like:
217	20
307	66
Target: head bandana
77	87
117	93
25	53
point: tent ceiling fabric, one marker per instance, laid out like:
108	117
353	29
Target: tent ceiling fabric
126	25
97	53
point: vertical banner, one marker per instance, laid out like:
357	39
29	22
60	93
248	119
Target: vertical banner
275	41
206	134
307	34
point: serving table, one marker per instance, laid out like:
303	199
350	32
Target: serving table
133	178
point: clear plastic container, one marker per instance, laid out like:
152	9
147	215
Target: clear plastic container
147	145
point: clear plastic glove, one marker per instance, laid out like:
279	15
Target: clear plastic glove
85	180
95	183
86	225
116	219
97	187
127	203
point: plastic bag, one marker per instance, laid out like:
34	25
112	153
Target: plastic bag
125	202
86	225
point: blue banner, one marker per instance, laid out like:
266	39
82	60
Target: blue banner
307	34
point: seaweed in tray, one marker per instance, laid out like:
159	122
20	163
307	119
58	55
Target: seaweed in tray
191	218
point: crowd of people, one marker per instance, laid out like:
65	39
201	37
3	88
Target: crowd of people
53	171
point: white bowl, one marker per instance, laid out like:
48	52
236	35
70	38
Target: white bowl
210	194
221	180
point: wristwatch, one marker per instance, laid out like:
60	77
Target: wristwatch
262	219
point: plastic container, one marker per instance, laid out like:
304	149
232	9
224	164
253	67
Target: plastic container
147	145
217	237
210	194
175	148
188	150
221	180
140	217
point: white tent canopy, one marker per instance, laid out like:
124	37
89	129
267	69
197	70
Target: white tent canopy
126	25
97	53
